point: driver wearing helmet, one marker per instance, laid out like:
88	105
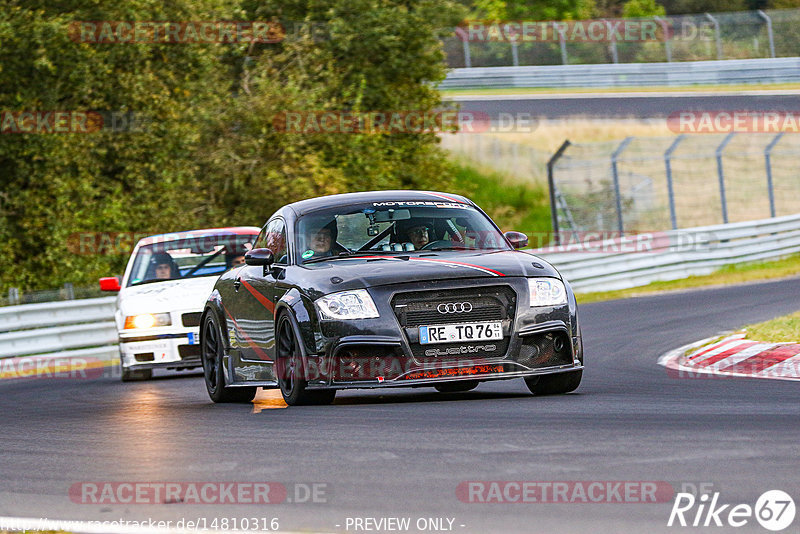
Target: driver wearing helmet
162	267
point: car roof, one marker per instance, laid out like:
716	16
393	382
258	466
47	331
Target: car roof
312	204
174	236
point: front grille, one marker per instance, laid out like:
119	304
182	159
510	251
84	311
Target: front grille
191	319
432	317
420	308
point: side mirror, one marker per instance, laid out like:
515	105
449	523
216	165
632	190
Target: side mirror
517	239
259	256
109	283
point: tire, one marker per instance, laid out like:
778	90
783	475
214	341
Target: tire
211	353
289	366
135	375
456	387
554	384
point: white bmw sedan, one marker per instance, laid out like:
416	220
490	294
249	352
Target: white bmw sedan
162	293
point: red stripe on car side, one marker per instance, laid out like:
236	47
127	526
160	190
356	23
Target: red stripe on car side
268	304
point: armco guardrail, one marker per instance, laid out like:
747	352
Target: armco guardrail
733	71
675	254
76	328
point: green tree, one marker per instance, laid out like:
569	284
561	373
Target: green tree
340	55
642	8
56	185
210	154
535	9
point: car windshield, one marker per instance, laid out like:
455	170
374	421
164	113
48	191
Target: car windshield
191	257
393	228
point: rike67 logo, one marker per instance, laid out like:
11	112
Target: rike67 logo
774	510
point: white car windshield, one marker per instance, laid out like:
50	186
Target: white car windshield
207	255
398	227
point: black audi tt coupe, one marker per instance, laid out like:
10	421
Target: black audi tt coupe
387	289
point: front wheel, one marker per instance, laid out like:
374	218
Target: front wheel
291	377
212	352
554	384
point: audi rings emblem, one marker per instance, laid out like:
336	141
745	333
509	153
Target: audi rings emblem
455	307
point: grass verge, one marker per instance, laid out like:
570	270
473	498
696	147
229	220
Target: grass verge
512	204
786	328
729	275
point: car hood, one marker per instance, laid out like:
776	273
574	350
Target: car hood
171	295
374	271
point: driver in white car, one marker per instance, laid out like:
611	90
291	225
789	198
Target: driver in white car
163	267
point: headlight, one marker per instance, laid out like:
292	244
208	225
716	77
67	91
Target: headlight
547	292
147	320
355	304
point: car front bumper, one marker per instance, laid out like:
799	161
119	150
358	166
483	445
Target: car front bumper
386	352
160	350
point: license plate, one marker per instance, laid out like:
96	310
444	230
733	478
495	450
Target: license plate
455	333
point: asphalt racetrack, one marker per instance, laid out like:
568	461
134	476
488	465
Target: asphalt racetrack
404	453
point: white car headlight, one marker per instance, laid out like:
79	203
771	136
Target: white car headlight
547	292
147	320
356	304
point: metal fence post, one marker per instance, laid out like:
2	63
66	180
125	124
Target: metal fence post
615	175
552	186
514	54
721	176
69	291
768	163
665	29
771	38
613	45
670	192
716	34
562	44
13	295
461	33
